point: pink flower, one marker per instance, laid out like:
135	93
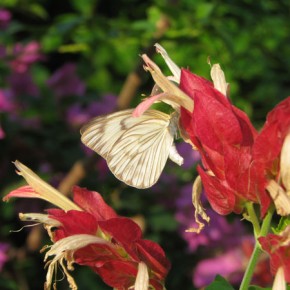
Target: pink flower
5	17
231	264
25	56
7	103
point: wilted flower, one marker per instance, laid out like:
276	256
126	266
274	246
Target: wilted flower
89	232
65	82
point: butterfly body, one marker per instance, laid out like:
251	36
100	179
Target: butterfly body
135	148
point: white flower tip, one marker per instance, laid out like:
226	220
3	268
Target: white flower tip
219	79
142	279
279	281
18	165
285	163
160	49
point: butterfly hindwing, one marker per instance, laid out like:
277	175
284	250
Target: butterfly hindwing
139	155
136	149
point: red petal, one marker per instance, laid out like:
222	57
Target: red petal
221	198
118	274
125	232
93	203
23	191
73	223
96	255
191	83
214	123
268	144
279	255
153	255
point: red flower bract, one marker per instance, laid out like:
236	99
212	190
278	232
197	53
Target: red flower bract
224	136
117	265
269	142
279	253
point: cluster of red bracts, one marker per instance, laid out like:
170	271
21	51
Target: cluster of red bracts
88	232
117	262
240	160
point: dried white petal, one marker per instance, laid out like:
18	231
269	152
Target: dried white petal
279	281
170	63
280	198
285	164
219	79
174	95
199	210
45	191
142	279
63	251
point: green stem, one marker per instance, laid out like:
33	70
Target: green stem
252	217
257	250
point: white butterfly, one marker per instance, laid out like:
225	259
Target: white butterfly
135	148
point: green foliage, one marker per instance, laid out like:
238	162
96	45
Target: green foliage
283	223
219	283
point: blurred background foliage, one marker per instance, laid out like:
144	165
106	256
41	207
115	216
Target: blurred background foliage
101	41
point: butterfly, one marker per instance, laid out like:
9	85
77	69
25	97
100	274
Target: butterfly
135	148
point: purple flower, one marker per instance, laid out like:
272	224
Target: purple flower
218	233
77	115
230	265
5	17
190	157
65	82
7	103
22	84
25	56
3	254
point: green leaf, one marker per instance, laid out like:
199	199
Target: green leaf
253	287
283	223
37	10
220	283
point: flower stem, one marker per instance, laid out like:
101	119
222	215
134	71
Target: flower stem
257	250
252	217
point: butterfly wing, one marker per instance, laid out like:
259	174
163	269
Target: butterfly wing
136	149
102	132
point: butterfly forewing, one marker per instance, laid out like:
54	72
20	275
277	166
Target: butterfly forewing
136	149
101	133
